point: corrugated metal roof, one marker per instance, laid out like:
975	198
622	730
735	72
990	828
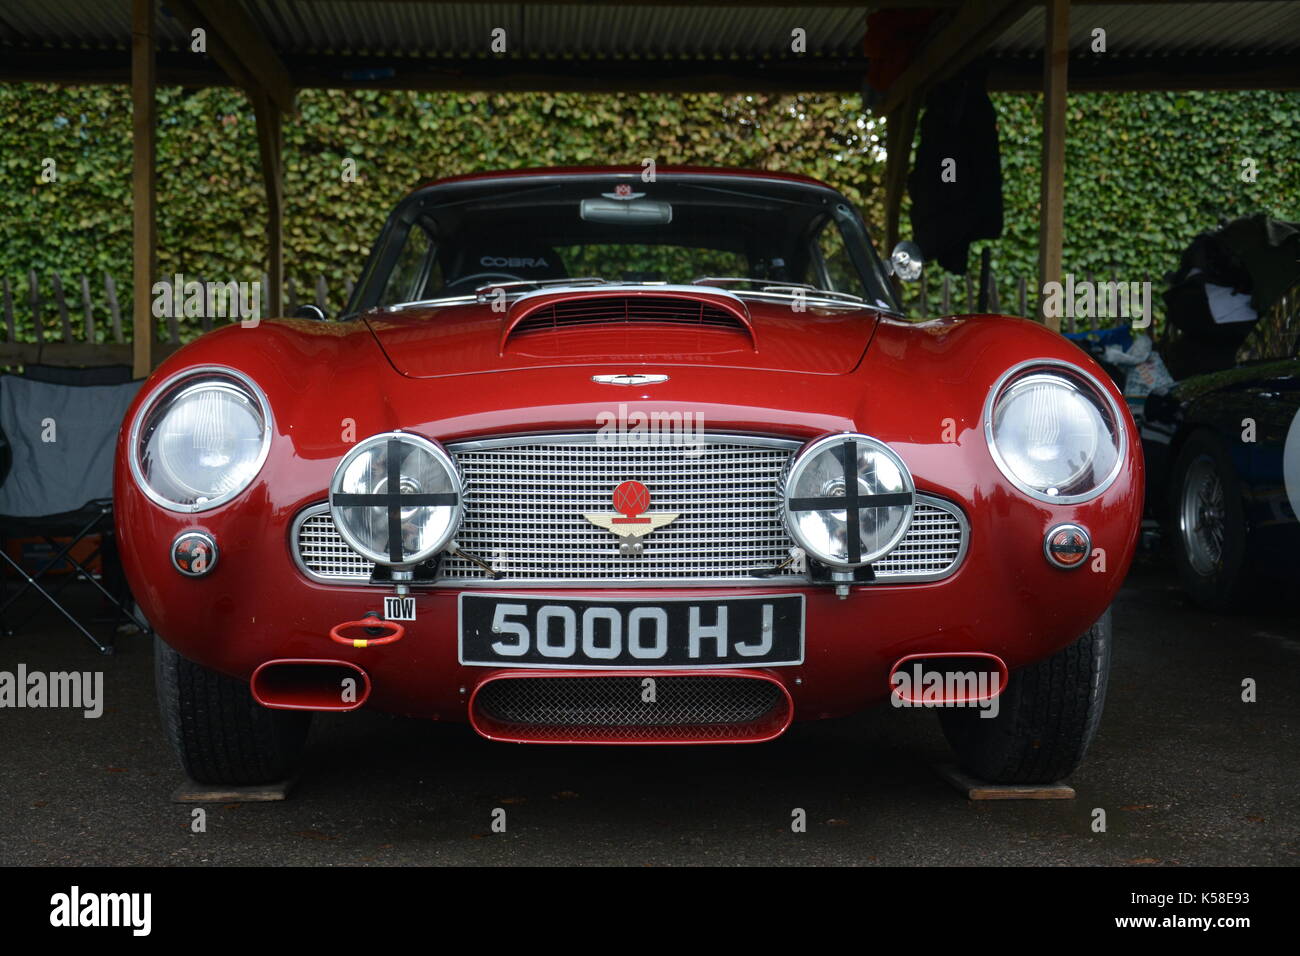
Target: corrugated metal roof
340	27
1165	29
464	29
336	26
86	24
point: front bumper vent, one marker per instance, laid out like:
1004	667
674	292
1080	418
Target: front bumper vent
614	709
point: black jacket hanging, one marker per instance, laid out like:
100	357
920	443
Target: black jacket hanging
959	135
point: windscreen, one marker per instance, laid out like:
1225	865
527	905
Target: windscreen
746	236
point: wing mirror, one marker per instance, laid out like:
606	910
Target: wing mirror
309	310
906	261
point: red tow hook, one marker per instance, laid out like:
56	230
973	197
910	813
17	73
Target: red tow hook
370	623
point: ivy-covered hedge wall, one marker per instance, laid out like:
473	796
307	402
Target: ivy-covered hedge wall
1145	172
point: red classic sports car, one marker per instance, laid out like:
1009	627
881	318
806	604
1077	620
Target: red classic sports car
600	457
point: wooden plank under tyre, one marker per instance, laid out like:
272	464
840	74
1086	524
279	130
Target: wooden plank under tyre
191	792
976	789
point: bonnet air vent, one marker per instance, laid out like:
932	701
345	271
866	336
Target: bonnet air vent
629	310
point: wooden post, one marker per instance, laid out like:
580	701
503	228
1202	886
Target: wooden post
38	323
114	312
900	128
9	312
65	321
87	309
982	295
269	143
1051	235
144	125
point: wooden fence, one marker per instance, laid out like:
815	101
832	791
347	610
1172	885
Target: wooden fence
81	321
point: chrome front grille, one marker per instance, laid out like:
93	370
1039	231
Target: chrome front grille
933	546
525	503
526	498
322	552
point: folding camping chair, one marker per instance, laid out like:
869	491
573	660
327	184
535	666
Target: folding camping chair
59	430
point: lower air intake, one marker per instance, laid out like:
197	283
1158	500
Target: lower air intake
624	709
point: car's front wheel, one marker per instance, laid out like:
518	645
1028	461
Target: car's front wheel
220	733
1046	718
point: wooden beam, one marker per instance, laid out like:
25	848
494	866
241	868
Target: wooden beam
270	141
810	74
144	126
974	25
1090	73
900	130
831	4
76	354
1051	214
240	47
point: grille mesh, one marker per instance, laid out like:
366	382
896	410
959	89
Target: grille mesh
524	514
525	504
931	546
687	707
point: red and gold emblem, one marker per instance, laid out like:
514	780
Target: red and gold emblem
631	522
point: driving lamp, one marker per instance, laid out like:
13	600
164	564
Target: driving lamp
397	499
848	499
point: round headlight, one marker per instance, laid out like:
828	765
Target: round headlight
200	439
848	500
397	499
1054	432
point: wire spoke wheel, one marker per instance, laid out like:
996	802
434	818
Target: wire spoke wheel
1201	516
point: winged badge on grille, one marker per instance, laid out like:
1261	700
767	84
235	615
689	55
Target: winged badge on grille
631	523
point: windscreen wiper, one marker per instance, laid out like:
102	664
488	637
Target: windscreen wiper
789	289
481	293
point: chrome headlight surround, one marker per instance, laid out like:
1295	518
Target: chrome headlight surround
898	503
1077	384
165	399
350	518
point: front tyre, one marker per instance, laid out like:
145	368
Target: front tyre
1046	719
220	733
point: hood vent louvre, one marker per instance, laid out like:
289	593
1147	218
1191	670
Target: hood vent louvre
629	310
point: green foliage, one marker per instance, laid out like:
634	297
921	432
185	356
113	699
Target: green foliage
1145	172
